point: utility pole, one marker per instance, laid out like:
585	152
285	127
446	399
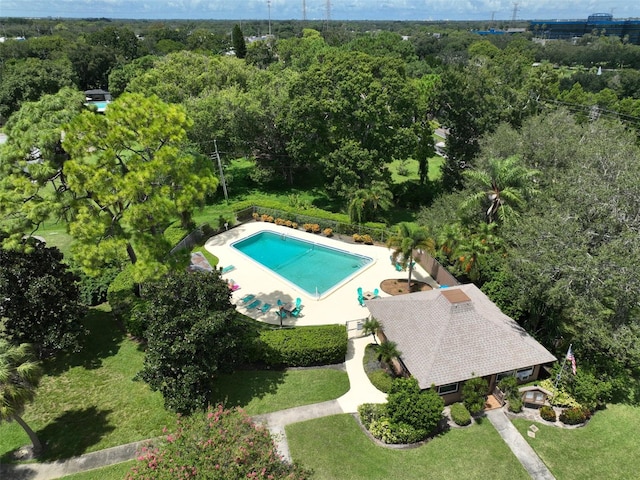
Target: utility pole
224	184
304	10
515	13
269	5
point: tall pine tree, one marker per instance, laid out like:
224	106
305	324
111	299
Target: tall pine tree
239	45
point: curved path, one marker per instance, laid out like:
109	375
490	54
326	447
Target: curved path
361	391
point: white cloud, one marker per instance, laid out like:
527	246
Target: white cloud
340	9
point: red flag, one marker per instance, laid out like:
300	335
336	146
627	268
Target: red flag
572	358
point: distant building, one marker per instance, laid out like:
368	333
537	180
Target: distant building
98	98
601	23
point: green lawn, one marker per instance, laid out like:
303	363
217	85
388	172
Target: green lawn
114	472
435	163
89	401
263	391
605	448
335	447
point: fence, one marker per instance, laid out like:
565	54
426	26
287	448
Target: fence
190	241
379	235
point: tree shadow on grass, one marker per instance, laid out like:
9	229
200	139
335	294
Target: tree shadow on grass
73	432
102	341
239	388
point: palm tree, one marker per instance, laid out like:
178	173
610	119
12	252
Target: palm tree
366	201
357	205
474	247
505	185
409	237
370	327
387	351
19	377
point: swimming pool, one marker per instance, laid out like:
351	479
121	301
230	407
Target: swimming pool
316	269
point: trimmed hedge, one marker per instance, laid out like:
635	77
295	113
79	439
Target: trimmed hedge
548	413
515	405
381	380
574	415
460	415
302	346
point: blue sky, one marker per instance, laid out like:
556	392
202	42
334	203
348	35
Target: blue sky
316	9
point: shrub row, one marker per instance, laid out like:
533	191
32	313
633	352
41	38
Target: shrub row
574	415
302	347
548	413
381	380
460	415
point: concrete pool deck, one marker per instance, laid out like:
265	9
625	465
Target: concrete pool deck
340	306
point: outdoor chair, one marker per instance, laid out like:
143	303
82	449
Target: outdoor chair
376	293
296	311
228	268
266	307
254	304
361	301
247	298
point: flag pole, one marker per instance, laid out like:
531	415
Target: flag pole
559	375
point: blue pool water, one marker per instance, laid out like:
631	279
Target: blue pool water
314	268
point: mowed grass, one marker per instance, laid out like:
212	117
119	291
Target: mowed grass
113	472
90	401
607	447
412	166
336	448
264	391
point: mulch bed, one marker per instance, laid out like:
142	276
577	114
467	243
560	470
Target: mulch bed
398	286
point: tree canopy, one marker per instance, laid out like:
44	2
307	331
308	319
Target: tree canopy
192	335
39	301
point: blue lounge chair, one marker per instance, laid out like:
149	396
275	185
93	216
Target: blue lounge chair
399	267
280	303
296	311
254	304
247	298
359	291
228	268
266	307
376	293
298	302
361	301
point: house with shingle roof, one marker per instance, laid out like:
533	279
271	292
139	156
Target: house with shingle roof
447	336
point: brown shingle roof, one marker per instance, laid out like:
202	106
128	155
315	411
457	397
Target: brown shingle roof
450	335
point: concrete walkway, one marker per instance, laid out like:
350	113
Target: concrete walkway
519	446
89	461
360	391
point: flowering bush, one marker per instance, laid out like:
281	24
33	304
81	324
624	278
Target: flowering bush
574	415
367	239
548	413
328	232
357	238
256	216
220	444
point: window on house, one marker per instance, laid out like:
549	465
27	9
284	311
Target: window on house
502	375
445	389
524	374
